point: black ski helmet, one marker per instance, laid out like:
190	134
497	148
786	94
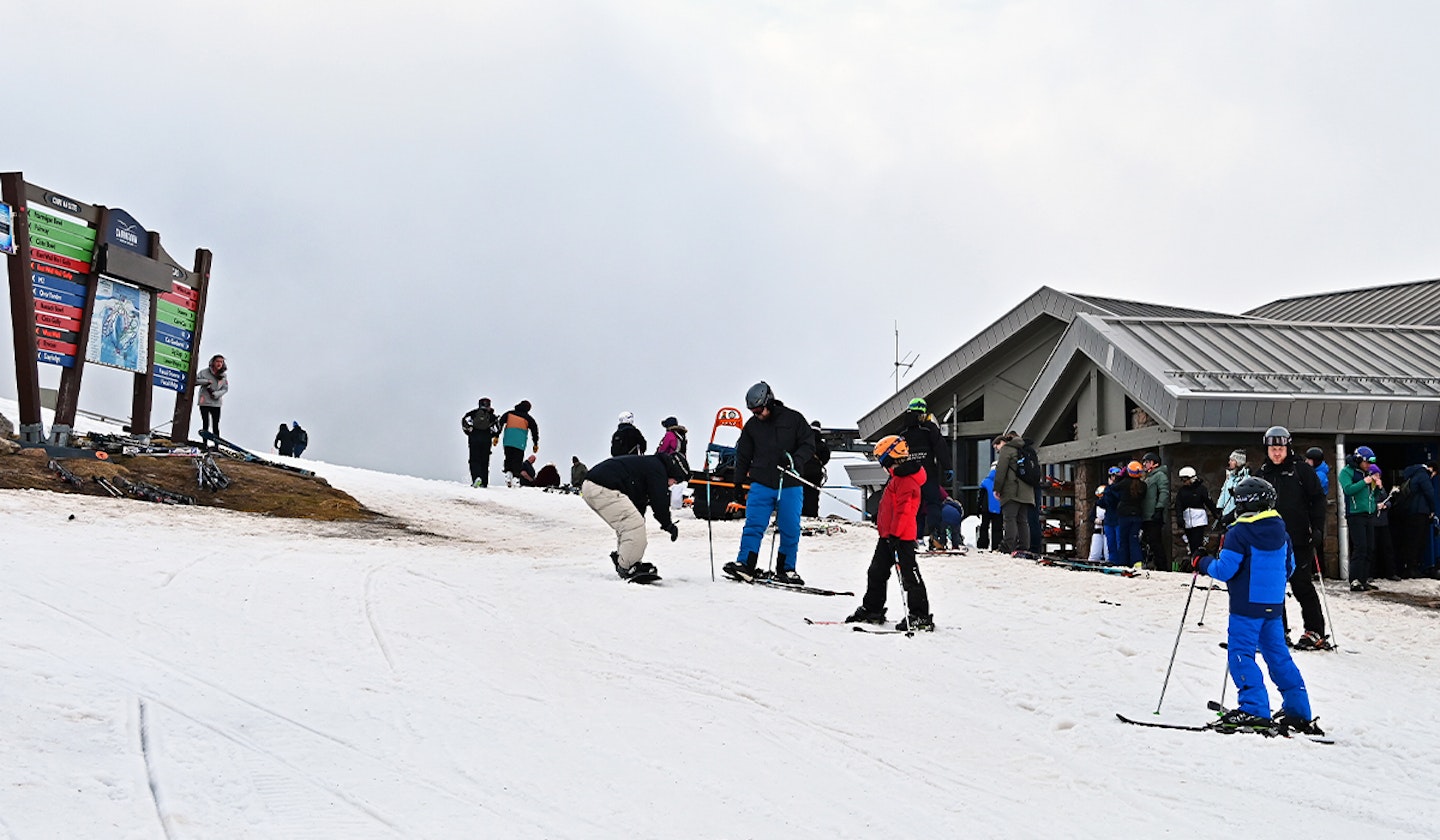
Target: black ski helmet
1253	495
759	396
1277	436
676	466
1315	453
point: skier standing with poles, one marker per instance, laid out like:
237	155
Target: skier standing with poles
897	525
1256	561
775	439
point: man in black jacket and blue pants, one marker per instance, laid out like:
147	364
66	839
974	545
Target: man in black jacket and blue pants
775	442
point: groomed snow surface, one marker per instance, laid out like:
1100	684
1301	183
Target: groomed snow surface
193	673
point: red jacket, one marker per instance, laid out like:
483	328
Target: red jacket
901	502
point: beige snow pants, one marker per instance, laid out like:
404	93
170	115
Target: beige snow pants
619	513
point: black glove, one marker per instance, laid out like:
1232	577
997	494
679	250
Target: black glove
673	530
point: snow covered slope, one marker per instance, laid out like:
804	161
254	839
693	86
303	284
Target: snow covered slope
174	672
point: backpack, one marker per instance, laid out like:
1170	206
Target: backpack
1027	466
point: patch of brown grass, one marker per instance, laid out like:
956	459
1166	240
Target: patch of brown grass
254	488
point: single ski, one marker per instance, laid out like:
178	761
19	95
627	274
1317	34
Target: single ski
882	631
813	621
741	577
1087	566
1162	725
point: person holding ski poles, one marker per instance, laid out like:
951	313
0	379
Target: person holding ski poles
775	439
898	527
1256	561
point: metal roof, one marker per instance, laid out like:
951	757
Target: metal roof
1402	303
1230	374
1129	308
1044	303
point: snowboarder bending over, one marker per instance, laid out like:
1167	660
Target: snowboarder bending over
1256	561
897	525
774	440
619	489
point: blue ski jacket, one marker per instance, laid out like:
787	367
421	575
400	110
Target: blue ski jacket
1257	561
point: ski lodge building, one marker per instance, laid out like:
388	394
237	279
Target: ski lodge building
1096	382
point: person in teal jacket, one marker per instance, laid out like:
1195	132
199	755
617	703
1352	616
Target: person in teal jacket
1357	486
512	427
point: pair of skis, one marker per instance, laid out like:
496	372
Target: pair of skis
873	629
1273	731
756	580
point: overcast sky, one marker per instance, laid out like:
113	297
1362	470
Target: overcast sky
647	205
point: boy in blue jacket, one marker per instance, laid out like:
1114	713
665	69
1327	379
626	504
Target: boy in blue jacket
1256	561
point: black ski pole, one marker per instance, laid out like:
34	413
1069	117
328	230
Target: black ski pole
1176	648
900	578
776	536
807	483
1325	600
710	515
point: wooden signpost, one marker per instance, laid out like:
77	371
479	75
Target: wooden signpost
89	284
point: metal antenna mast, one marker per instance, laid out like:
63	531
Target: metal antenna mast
907	363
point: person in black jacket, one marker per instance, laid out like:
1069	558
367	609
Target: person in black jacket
1194	512
627	440
1423	511
814	473
619	490
1301	503
283	443
479	427
928	447
774	441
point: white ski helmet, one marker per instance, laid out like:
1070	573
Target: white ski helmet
627	417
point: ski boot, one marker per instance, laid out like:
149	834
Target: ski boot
1313	641
917	623
864	616
1290	722
742	571
788	576
1237	720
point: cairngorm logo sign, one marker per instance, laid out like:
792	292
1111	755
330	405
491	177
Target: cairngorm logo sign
125	234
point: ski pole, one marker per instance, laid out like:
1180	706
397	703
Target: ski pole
1225	680
800	479
709	516
900	577
779	490
1176	649
1325	600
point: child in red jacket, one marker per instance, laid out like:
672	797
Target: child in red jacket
896	523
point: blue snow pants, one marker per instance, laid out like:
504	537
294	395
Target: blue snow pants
1267	635
762	501
1126	550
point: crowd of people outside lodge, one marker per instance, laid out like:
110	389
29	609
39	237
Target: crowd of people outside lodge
1392	528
